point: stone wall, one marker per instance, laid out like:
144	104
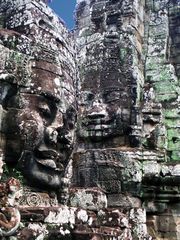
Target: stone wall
129	163
161	74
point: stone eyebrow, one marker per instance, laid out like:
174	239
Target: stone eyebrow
50	96
112	89
46	95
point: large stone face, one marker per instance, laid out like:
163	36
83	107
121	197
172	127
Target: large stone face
109	71
89	121
129	136
37	92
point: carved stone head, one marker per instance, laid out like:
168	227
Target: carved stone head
40	137
104	113
106	98
39	100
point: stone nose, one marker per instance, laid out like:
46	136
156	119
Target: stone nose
97	110
52	134
53	130
97	102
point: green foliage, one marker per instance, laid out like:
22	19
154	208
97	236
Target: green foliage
1	21
12	172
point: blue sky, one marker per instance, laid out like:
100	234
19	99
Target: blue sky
64	8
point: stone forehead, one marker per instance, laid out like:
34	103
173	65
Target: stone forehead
53	81
52	77
33	66
16	43
40	50
104	90
96	86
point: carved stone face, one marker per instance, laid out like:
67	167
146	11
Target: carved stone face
104	113
40	129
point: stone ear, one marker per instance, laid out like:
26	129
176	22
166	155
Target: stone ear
8	92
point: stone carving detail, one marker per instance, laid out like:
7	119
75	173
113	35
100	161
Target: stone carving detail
109	102
38	93
34	199
38	199
9	213
45	136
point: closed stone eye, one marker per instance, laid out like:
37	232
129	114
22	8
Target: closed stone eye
111	97
87	97
45	111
